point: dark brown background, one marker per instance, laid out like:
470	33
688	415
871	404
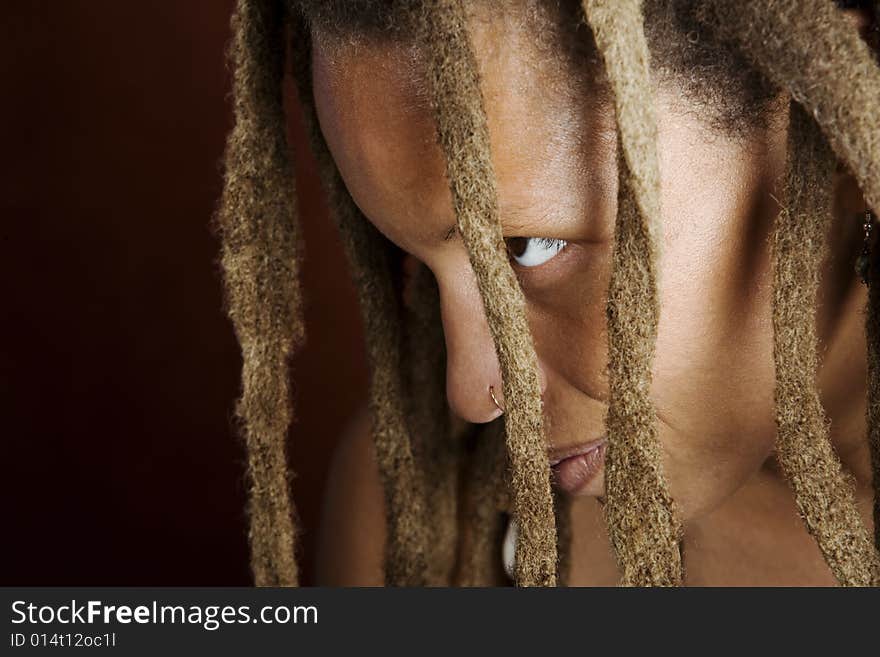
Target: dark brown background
119	370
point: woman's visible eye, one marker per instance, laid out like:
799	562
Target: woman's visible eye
533	251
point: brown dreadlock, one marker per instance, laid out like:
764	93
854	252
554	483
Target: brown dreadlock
412	435
257	220
367	251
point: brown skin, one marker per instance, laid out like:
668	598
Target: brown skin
553	143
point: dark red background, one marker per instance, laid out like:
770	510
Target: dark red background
118	368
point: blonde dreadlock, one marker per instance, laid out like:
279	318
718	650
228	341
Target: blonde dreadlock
872	332
486	495
257	221
464	137
823	495
639	512
436	445
403	483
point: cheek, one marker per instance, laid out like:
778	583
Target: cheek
713	369
713	388
568	322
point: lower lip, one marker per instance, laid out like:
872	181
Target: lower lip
573	474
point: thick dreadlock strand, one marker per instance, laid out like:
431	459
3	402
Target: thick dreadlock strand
367	250
811	49
403	483
463	134
563	538
639	512
822	493
435	448
485	497
257	222
872	331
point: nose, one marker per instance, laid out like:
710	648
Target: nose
471	364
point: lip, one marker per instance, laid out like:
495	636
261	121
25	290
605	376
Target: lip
558	454
575	467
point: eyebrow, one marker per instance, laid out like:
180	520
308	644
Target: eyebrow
515	218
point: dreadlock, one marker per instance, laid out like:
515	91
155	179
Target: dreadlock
872	332
368	254
823	495
421	461
488	493
436	445
638	509
464	137
257	222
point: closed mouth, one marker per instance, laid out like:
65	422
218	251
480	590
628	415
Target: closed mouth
576	466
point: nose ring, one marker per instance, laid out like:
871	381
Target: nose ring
495	399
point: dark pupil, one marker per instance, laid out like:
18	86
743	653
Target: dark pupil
517	246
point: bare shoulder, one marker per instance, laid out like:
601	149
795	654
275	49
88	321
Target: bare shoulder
351	539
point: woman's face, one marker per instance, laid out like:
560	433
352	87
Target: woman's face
553	150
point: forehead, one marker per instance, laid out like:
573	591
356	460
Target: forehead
375	114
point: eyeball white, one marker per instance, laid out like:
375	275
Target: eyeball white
534	251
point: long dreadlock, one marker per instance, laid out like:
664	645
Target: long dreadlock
367	251
639	512
464	137
257	222
436	443
823	495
